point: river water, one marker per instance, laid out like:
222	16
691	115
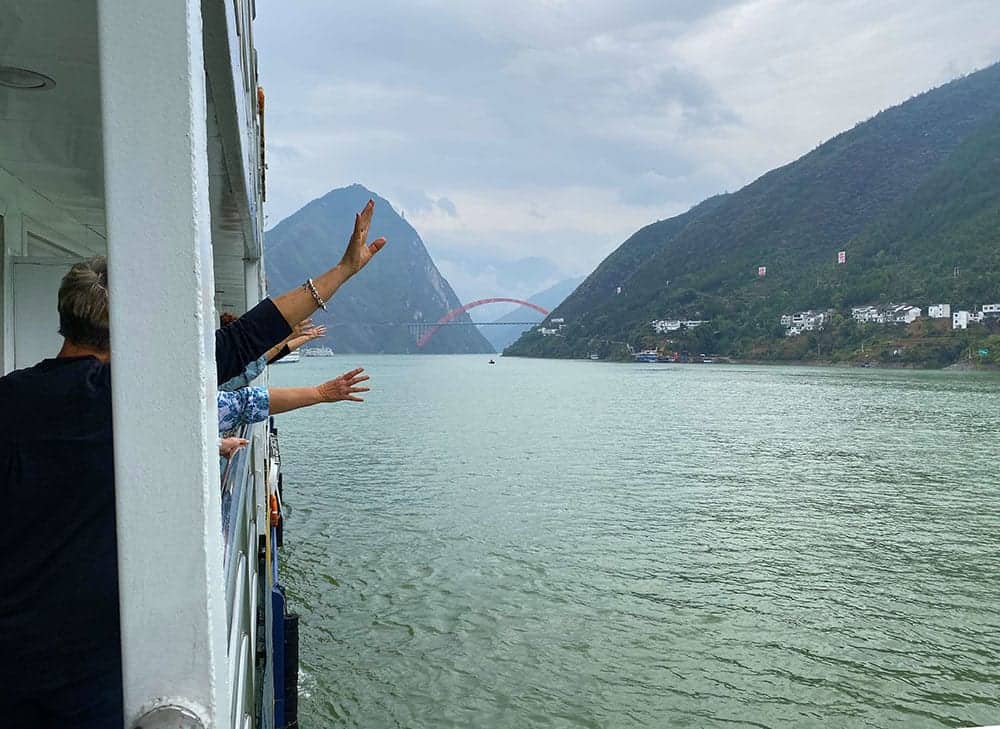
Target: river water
585	544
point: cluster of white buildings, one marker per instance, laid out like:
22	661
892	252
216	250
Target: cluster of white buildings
906	314
962	318
814	321
811	321
805	321
662	326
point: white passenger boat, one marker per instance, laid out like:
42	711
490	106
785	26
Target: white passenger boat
316	352
131	128
290	358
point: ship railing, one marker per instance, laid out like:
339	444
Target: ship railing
242	510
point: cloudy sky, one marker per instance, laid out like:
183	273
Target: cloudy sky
526	139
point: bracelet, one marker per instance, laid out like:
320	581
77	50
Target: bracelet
311	288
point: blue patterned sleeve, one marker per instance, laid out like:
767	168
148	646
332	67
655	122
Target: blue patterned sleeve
247	405
251	373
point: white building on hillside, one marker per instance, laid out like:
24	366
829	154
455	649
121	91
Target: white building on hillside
904	313
545	331
891	314
962	319
662	326
990	310
804	321
865	314
939	311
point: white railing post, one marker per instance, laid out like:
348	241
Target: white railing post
173	613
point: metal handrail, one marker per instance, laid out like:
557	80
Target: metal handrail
239	531
235	477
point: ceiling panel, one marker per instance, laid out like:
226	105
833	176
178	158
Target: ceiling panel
51	139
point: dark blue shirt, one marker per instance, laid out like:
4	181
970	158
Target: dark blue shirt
59	580
58	549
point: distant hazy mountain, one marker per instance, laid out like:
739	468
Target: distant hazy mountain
401	285
912	195
502	337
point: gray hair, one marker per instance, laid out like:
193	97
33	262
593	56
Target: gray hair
83	304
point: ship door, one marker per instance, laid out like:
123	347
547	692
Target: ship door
36	320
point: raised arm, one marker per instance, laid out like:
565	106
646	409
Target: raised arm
300	302
345	387
270	322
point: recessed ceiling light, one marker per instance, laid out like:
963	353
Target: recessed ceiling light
24	80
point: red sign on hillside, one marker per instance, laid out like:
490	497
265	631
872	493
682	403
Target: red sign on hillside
761	271
842	257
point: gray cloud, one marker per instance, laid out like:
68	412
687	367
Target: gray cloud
447	206
569	124
418	201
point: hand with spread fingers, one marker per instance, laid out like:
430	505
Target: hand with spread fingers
308	334
314	332
301	328
344	387
359	252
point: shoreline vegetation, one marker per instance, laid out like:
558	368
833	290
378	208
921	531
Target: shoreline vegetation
961	366
924	344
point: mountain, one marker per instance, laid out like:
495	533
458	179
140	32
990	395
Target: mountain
400	286
912	195
503	336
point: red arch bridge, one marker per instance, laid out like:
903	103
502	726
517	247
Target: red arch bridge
428	331
423	331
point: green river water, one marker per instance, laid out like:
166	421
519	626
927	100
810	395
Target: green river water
584	544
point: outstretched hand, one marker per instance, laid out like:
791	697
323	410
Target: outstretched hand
344	387
359	252
310	334
302	327
314	332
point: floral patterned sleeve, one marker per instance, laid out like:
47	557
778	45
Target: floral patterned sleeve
248	405
251	373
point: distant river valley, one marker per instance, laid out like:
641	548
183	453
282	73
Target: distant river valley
545	543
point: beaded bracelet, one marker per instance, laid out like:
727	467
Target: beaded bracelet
311	288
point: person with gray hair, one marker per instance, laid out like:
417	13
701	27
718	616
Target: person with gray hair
59	595
83	305
59	622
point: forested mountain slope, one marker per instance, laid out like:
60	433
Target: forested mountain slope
911	195
401	285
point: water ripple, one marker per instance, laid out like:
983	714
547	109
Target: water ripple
566	544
